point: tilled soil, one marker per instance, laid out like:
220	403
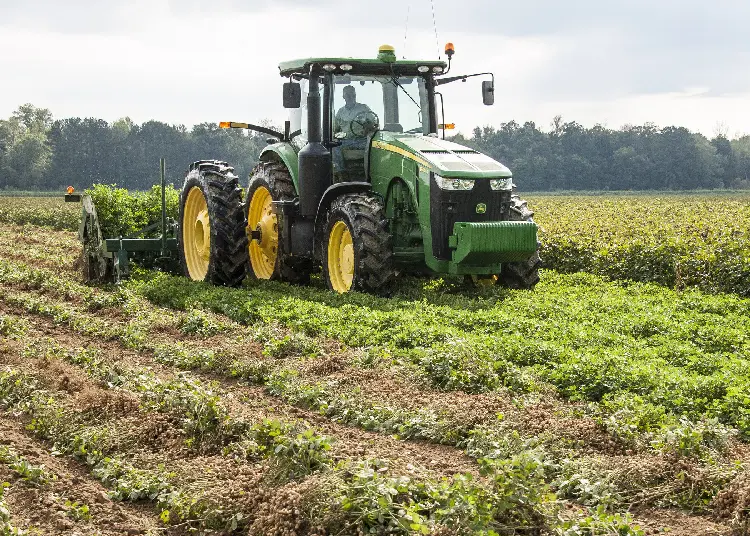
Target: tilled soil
153	440
42	507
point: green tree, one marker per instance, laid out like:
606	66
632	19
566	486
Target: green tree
25	152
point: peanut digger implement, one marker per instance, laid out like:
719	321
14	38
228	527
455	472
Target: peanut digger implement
108	259
340	189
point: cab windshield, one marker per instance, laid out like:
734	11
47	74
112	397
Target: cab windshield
395	104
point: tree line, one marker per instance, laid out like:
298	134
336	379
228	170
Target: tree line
572	157
38	152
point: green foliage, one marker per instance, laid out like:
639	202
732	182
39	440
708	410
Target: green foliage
122	213
687	241
586	485
12	327
297	452
351	408
599	523
203	415
199	322
129	483
45	211
25	151
382	504
34	474
630	419
682	354
695	439
77	511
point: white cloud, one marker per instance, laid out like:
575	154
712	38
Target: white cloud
191	61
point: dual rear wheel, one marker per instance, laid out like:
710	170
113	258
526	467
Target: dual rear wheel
211	238
357	252
221	239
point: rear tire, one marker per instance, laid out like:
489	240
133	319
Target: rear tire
521	274
264	262
358	246
211	236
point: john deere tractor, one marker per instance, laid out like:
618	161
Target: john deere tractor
361	183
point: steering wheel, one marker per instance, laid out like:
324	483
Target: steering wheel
366	122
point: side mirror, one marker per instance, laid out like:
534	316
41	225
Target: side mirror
488	92
292	95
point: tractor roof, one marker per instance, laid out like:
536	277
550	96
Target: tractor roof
385	63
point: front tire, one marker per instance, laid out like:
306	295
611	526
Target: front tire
359	250
211	235
521	274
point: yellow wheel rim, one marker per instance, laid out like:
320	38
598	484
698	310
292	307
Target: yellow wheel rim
340	257
196	234
485	281
260	217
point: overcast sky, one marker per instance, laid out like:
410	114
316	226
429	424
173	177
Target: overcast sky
671	62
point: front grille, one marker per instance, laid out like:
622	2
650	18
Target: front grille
448	207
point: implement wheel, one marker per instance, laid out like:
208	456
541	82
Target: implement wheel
521	274
359	251
271	182
211	233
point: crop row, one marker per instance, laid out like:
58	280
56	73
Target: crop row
44	211
73	434
424	424
676	241
517	495
286	383
639	347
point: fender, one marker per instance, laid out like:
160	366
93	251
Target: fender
329	196
286	153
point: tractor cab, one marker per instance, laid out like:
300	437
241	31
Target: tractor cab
360	98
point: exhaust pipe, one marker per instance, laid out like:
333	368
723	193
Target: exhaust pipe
314	160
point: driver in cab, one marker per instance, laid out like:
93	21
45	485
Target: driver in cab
342	127
345	115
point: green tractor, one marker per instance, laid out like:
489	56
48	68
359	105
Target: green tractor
361	183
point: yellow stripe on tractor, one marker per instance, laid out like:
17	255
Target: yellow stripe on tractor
402	152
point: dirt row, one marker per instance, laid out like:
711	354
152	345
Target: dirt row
48	508
349	442
531	417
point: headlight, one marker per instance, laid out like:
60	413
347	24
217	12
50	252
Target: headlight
501	184
454	184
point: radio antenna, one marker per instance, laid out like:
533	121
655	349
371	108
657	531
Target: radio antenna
434	25
406	31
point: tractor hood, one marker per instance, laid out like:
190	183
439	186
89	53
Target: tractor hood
444	157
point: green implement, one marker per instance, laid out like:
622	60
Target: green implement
108	260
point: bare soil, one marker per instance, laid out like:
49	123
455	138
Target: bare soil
151	439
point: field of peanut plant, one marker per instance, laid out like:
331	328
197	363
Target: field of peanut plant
614	399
